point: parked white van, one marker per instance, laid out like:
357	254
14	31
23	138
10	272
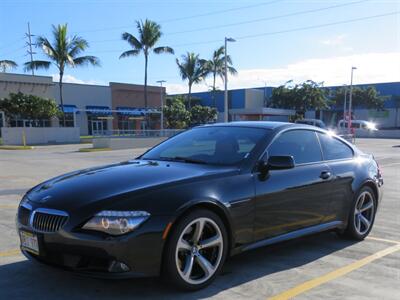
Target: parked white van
357	125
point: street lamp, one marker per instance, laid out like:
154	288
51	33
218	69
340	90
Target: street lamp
162	103
344	102
226	108
350	98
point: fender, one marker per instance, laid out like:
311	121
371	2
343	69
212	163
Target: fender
213	204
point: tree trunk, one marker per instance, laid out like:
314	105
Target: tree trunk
213	91
189	96
145	80
145	90
61	97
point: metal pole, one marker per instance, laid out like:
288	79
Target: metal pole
226	106
162	103
30	46
350	99
344	103
226	82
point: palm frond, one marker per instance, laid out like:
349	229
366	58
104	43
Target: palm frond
232	70
182	69
47	47
7	64
192	68
86	60
159	50
36	65
77	45
129	53
133	41
149	32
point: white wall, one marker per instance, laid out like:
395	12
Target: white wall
254	98
83	95
385	118
41	86
40	135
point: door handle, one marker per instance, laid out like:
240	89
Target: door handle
325	175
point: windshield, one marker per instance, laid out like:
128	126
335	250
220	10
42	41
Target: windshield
209	145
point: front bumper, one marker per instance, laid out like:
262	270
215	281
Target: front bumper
96	254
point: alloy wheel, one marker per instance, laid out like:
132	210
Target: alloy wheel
364	212
199	250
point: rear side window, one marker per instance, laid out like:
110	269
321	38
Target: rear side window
333	148
301	144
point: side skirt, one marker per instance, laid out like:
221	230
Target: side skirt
290	235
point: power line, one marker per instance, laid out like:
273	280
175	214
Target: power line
12	43
296	29
319	26
187	17
280	31
13	50
219	12
252	21
268	18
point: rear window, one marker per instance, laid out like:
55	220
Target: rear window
333	148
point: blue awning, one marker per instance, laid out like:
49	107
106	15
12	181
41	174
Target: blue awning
133	111
69	108
98	110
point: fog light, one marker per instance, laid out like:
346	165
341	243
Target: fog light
117	267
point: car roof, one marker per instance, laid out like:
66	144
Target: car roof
254	124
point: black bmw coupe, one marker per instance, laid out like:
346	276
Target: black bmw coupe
180	209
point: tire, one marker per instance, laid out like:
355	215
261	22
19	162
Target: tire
196	250
360	215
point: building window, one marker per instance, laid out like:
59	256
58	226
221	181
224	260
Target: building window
29	123
69	120
126	124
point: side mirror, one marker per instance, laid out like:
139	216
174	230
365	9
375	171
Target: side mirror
276	163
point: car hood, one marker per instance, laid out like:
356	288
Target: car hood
81	188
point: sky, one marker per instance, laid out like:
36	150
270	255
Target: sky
276	40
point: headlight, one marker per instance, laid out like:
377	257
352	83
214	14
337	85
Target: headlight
116	222
371	126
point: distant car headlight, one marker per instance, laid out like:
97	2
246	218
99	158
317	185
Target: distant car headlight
116	222
371	126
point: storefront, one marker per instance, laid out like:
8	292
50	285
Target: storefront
97	119
130	119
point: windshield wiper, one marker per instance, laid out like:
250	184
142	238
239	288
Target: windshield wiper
184	159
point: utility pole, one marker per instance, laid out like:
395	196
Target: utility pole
344	104
226	106
29	44
351	98
162	103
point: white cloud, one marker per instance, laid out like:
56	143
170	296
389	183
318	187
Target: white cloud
71	79
371	68
335	41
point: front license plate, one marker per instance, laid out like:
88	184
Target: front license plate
29	242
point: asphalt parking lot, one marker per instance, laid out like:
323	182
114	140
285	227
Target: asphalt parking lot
315	267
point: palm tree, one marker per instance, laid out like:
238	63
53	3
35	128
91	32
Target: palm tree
7	64
63	52
216	67
149	35
191	68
